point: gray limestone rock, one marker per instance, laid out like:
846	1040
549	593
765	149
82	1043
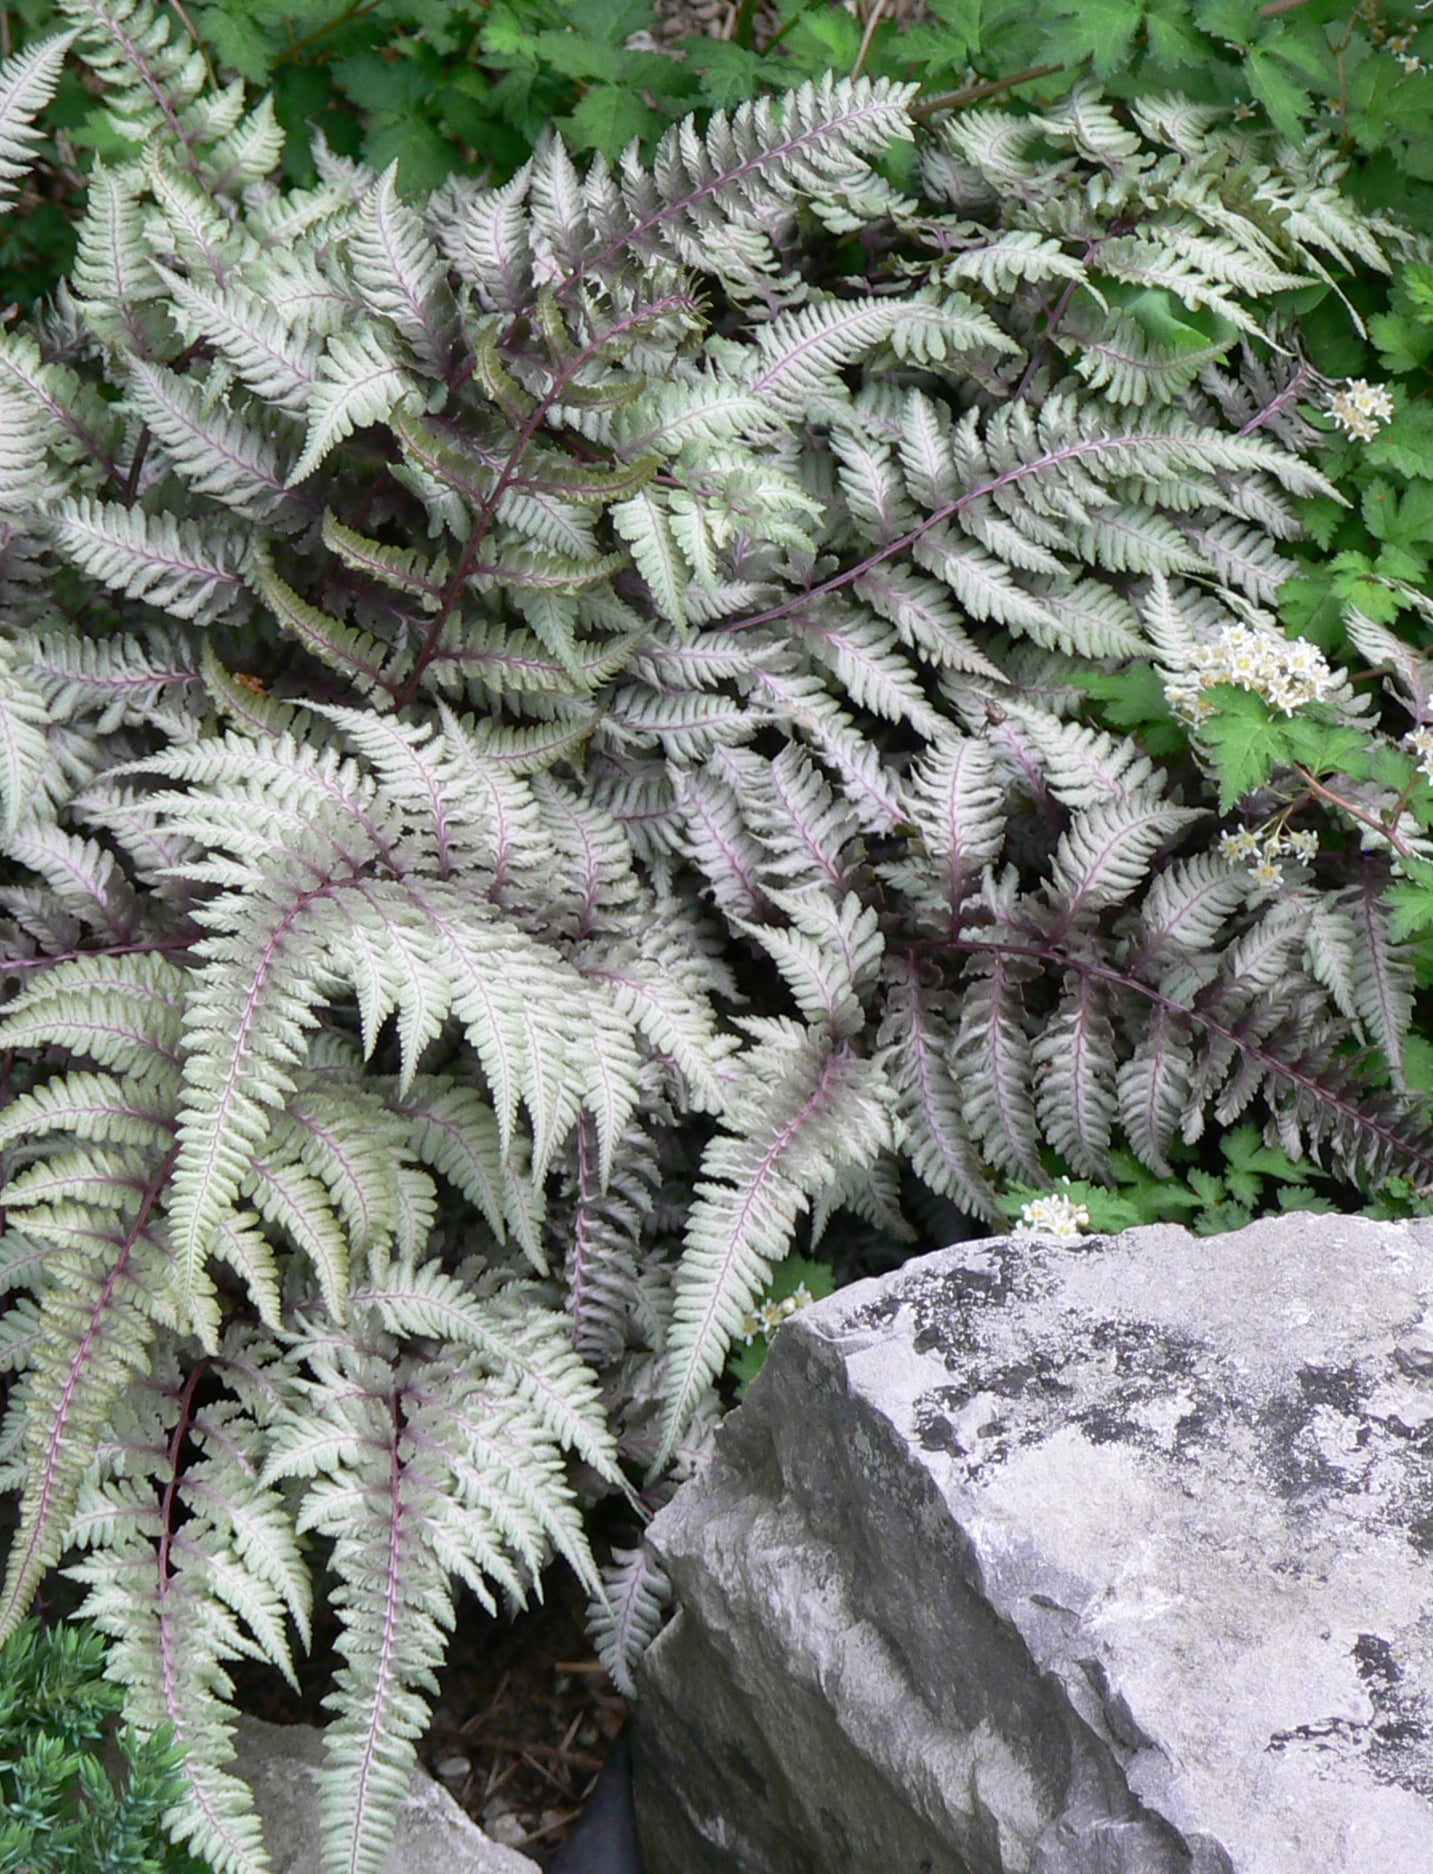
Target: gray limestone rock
1036	1558
280	1763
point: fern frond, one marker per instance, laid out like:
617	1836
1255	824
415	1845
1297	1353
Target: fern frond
180	566
958	807
802	1108
364	660
810	837
530	1347
1074	1061
201	236
624	1623
915	1051
247	153
217	451
1103	856
276	362
417	1480
1083	767
359	383
828	958
402	568
799	354
453	1129
24	747
97	1107
645	524
400	276
488	241
121	1012
1007	260
863	654
113	277
992	1061
1188	904
1154	1087
244	1025
1383	980
712	202
222	1583
98	1330
125	679
27	83
152	72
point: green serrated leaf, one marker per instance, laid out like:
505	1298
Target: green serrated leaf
1244	738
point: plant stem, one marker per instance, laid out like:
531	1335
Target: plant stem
468	560
193	33
11	964
296	46
182	1429
744	31
136	466
987	88
872	22
1382	826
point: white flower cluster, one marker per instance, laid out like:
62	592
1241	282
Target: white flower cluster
1421	742
1264	850
1054	1215
1286	672
1401	46
768	1317
1359	408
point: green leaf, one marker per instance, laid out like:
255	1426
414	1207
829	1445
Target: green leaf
1247	1153
1245	740
1410	900
1102	31
1406	444
1404	343
1288	104
1172	40
391	85
607	118
1234	22
1325	747
424	159
817	1278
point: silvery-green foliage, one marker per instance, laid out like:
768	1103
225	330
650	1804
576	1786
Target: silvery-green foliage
537	751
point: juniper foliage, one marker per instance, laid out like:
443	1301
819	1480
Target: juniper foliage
540	759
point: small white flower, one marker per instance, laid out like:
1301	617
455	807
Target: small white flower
1286	672
1420	740
1055	1215
769	1314
1268	874
1360	408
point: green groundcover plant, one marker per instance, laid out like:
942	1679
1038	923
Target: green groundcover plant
560	743
61	1809
468	85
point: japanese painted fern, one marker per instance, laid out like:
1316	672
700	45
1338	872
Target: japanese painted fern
542	743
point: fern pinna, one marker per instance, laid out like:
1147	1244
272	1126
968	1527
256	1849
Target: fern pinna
545	739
